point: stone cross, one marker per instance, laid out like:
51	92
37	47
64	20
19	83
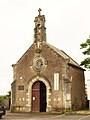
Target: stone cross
39	11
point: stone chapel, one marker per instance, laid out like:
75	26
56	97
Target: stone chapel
45	78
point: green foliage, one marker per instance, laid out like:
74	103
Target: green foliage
75	105
86	47
85	44
69	110
86	63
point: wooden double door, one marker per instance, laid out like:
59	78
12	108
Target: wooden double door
39	97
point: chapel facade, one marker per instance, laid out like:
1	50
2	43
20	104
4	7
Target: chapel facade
46	79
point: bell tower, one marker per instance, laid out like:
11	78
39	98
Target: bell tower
39	30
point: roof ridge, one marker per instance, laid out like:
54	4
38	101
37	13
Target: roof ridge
64	55
70	57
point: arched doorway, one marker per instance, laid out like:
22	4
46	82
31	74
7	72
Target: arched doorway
39	97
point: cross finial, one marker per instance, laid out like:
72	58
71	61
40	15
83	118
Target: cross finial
39	11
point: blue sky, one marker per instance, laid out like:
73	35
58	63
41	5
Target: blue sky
67	23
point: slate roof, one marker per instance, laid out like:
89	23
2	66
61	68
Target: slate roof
64	55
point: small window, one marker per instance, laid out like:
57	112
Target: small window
56	81
21	87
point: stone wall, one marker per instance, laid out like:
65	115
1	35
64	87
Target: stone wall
78	87
6	103
24	73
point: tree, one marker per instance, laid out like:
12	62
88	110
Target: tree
7	96
86	47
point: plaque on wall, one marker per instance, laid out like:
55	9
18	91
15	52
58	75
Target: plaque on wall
20	87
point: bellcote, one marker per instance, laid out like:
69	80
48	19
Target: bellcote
39	30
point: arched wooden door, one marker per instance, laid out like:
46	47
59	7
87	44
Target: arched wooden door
39	97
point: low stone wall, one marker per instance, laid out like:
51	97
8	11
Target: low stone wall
6	103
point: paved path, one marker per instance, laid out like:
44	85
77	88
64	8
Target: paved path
43	116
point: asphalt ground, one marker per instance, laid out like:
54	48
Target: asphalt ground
44	116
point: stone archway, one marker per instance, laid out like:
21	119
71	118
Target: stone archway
48	92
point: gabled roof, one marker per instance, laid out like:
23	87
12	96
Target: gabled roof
64	55
59	52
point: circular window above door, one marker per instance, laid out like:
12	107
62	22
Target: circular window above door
38	63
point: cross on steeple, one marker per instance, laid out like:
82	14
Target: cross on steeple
39	30
39	11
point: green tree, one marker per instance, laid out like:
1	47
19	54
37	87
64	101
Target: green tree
7	96
86	47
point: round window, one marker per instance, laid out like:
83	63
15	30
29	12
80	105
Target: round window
38	63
